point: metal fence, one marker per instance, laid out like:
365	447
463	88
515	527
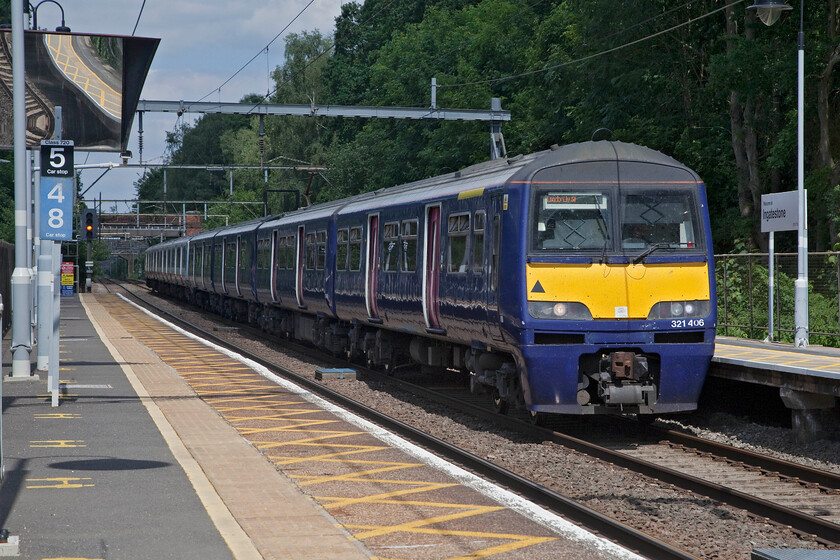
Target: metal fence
743	296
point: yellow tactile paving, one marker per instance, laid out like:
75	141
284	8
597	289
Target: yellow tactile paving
343	468
771	357
66	58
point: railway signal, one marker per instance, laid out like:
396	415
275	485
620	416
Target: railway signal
90	225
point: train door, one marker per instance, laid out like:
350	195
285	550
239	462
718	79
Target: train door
275	247
431	268
492	283
371	266
238	274
224	260
300	259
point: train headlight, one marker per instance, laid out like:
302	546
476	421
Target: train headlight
567	310
677	309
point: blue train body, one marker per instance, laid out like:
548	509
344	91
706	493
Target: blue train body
579	280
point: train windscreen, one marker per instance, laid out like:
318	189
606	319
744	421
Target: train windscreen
587	208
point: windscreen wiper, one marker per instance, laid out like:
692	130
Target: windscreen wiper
655	247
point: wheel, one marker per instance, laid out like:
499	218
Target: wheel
500	404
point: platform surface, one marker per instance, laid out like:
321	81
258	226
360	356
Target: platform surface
819	361
119	471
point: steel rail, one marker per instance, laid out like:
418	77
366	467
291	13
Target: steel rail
612	529
823	531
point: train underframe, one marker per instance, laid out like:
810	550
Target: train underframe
612	380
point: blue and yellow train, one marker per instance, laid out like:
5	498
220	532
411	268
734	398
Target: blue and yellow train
577	280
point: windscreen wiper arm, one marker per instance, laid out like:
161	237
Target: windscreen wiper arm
655	247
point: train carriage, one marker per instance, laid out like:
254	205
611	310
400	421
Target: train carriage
578	280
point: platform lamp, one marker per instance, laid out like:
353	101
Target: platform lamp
62	28
768	12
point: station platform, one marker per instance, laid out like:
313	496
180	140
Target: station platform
163	447
130	466
808	379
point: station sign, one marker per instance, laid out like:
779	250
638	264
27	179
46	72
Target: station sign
57	192
68	278
780	211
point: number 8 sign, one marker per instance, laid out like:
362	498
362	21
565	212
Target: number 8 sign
57	194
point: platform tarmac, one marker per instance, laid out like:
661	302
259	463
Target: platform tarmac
105	475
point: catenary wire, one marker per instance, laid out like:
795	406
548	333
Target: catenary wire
138	21
591	56
261	51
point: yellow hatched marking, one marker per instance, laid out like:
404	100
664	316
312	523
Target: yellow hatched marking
231	418
288	415
828	366
735	354
725	346
325	436
250	431
56	416
242	399
280	404
792	362
61	483
410	526
208	392
326	456
362	476
520	541
361	462
247	383
58	443
385	497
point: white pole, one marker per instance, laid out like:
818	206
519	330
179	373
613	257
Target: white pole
22	276
801	284
770	275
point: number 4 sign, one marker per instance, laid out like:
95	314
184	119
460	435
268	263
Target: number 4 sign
57	194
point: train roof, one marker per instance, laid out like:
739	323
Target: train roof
482	175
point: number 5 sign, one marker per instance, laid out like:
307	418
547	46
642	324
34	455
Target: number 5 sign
57	192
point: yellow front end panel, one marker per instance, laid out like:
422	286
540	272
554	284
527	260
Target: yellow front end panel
618	291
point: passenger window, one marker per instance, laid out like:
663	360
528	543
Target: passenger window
310	251
321	238
478	242
459	231
390	245
341	249
291	252
409	245
356	248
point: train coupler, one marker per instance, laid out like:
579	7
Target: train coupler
624	379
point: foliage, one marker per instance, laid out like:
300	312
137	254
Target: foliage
743	296
701	81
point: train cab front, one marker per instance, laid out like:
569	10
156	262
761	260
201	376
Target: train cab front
619	288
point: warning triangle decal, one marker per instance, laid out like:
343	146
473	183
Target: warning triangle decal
538	288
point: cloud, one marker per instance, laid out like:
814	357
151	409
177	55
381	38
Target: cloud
202	44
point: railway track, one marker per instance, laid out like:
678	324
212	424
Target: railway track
779	492
40	122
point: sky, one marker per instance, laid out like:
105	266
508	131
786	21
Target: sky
202	44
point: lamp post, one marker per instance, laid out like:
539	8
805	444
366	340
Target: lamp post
62	28
768	12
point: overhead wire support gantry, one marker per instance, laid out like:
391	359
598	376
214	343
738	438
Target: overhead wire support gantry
495	115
